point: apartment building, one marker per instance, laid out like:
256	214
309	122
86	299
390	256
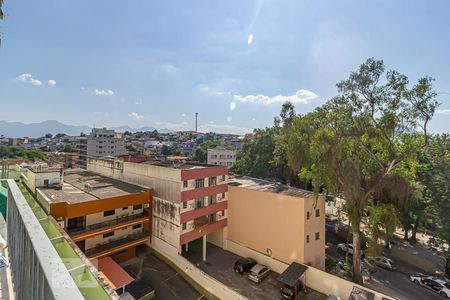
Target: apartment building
103	216
275	220
100	142
221	157
189	201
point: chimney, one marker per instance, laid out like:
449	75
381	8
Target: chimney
196	117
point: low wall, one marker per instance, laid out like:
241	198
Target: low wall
208	283
316	279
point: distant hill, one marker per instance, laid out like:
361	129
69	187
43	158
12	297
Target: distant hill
34	130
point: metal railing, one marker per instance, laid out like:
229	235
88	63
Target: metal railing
116	243
105	224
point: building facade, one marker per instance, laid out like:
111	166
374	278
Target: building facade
103	216
100	142
276	220
221	157
189	201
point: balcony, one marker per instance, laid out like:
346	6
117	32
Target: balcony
100	228
114	246
203	211
204	228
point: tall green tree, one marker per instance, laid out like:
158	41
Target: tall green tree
438	183
360	139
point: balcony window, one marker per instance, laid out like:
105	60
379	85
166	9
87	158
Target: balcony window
183	226
184	205
185	184
137	226
109	213
212	199
212	181
138	206
199	183
199	203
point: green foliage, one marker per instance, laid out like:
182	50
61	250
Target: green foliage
21	153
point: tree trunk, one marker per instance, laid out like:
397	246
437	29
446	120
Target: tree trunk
406	235
348	239
387	240
447	266
357	276
414	230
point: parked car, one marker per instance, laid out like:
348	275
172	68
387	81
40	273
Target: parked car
258	273
243	265
384	262
347	248
435	284
289	292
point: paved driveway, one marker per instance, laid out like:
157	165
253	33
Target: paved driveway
168	284
219	265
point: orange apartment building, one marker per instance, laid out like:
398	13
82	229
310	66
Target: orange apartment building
103	216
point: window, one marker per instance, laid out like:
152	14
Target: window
212	181
184	226
212	199
199	203
185	184
109	213
223	195
107	235
317	236
199	183
45	181
317	212
137	226
307	238
125	208
307	215
185	205
223	177
138	206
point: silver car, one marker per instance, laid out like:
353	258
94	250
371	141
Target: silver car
258	273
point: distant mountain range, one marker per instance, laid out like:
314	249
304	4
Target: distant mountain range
34	130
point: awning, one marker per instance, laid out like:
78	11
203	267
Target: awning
292	274
113	273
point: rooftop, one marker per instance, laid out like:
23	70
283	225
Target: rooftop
81	186
180	165
268	186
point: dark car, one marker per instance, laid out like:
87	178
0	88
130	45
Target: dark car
289	292
243	265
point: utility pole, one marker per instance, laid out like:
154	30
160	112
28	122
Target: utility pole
196	117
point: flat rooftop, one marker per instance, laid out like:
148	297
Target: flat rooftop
81	186
261	185
179	165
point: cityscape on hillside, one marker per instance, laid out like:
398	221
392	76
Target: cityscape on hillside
254	150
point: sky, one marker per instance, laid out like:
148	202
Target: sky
156	63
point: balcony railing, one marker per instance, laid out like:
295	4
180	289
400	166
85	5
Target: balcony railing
117	243
117	221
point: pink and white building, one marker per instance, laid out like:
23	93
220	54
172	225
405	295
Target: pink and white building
189	200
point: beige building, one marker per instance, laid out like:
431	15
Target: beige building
275	220
221	157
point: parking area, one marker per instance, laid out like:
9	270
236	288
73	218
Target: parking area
148	270
219	264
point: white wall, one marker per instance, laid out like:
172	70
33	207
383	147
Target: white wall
166	221
119	212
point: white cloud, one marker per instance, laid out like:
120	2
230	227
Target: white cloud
183	115
301	96
224	128
28	78
232	105
210	91
174	126
51	82
443	111
136	116
103	92
139	102
250	39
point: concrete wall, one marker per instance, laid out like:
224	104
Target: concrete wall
119	212
118	234
166	221
207	282
316	279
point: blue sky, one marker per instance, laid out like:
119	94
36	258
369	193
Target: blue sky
155	63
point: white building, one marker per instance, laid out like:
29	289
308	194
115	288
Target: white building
221	157
100	142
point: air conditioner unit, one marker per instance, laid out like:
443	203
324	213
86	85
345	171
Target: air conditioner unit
146	205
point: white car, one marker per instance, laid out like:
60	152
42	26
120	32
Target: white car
347	248
435	284
384	262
